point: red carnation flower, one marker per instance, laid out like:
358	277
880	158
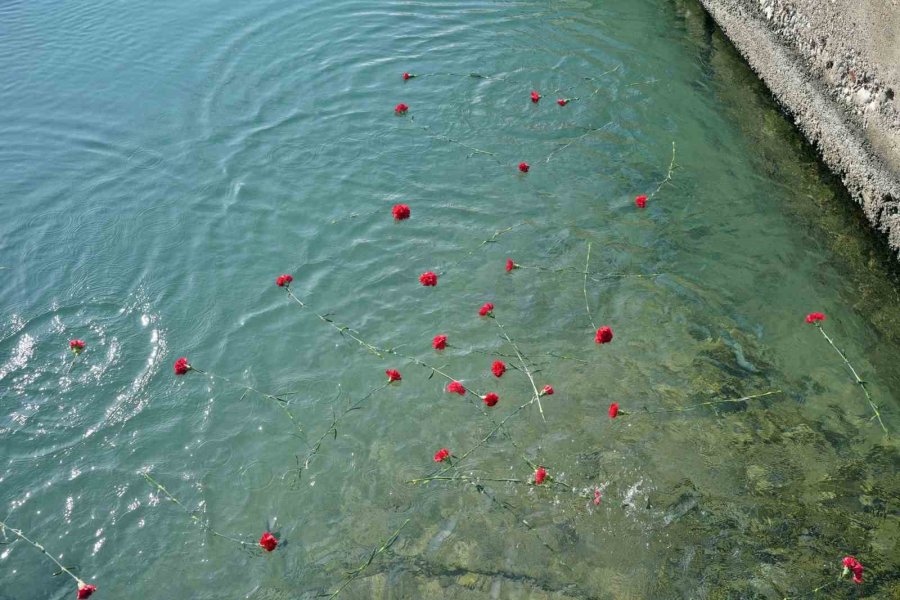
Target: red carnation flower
401	109
406	76
524	166
535	96
441	455
613	410
401	212
498	368
85	589
540	475
268	541
562	101
641	201
439	342
597	497
428	279
393	375
76	346
456	387
486	309
854	566
182	366
490	398
283	280
547	391
510	265
604	335
815	317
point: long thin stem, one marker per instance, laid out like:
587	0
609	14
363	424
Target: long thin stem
549	482
590	131
859	381
597	277
712	402
355	573
280	401
19	534
490	240
342	329
190	513
816	590
672	167
537	394
587	267
332	429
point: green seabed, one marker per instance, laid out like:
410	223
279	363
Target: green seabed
162	165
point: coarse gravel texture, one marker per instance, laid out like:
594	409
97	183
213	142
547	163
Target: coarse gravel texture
835	66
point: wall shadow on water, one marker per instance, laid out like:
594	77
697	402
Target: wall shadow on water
819	202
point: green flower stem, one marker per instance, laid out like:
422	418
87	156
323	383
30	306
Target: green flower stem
815	591
712	402
590	131
596	277
280	401
668	178
19	534
355	573
859	381
490	240
549	482
332	429
190	513
342	329
587	305
537	394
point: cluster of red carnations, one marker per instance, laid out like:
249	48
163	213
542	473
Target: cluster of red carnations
604	335
524	167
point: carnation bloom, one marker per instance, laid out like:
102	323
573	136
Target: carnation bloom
596	496
428	279
401	109
486	309
547	391
182	366
490	398
562	101
641	201
613	410
854	566
604	335
498	368
815	317
510	265
393	375
76	346
406	76
268	541
401	211
524	166
441	455
535	96
540	475
283	280
439	342
85	589
456	387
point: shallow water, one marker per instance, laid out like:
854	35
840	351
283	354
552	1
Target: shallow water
161	164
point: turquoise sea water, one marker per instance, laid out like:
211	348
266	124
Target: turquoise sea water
161	163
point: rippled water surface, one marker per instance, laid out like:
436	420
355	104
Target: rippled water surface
161	163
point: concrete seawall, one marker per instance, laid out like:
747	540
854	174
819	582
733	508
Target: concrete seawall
835	66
